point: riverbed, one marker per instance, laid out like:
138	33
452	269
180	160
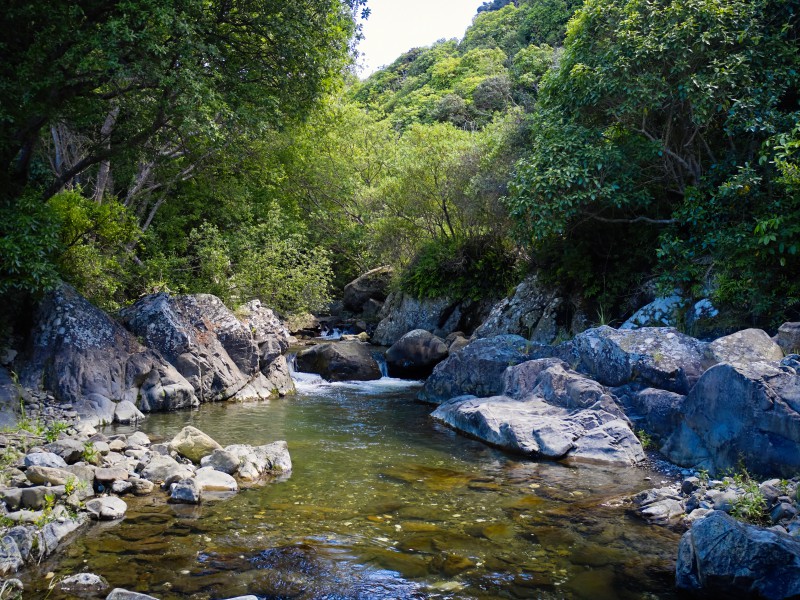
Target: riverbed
382	503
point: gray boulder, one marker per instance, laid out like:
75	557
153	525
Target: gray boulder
205	342
745	347
165	469
401	313
661	312
11	559
788	338
530	312
477	369
372	285
10	395
123	594
659	357
107	508
83	584
415	354
193	444
257	461
548	411
68	449
185	491
340	361
722	557
84	357
658	412
44	459
741	414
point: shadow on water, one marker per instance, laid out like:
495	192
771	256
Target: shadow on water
382	503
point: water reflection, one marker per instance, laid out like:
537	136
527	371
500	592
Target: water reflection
383	503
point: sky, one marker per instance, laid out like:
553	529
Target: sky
395	26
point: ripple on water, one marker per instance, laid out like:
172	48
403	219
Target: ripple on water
382	503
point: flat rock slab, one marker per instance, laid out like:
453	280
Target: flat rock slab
109	508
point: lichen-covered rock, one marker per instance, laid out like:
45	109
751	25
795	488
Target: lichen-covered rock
530	312
84	357
721	557
340	361
83	584
661	312
372	285
415	354
745	347
788	338
206	343
548	411
659	357
741	415
193	444
477	369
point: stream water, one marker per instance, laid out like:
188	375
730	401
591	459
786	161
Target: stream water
382	503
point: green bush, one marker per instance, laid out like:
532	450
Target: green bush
472	269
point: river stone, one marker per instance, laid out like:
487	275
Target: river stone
107	508
163	468
415	354
372	285
26	539
107	475
126	413
68	449
659	357
185	491
740	416
340	361
83	584
55	531
11	559
530	312
48	475
788	338
86	358
722	557
745	347
193	444
45	459
138	438
221	460
257	461
209	479
478	368
140	487
538	429
123	594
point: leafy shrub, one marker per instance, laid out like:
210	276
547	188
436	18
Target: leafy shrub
481	267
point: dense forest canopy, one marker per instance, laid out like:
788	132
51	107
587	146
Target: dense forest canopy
226	147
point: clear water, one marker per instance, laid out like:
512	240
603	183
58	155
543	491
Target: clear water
382	503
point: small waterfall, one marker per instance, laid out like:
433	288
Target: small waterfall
331	334
381	360
302	380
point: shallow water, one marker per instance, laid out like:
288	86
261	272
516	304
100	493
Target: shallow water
382	503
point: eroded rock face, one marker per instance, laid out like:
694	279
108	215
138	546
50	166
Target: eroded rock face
401	313
477	369
530	312
85	358
415	354
216	352
741	413
659	357
340	361
372	285
722	557
554	413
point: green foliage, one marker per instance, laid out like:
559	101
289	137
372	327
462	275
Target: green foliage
645	439
90	453
52	433
751	505
472	269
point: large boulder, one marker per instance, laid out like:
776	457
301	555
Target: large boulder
193	444
415	354
664	311
745	347
741	415
84	357
340	361
272	339
788	338
723	558
372	285
659	357
530	312
658	412
477	369
402	313
554	413
206	343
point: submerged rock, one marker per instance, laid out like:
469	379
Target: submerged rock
340	361
722	557
415	354
85	358
83	584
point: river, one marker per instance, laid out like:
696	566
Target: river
382	503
